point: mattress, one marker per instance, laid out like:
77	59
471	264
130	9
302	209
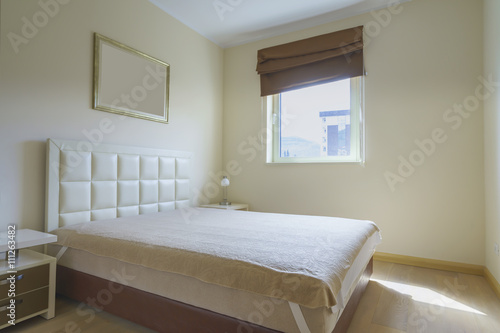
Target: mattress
265	310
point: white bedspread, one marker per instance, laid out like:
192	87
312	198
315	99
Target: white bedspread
302	259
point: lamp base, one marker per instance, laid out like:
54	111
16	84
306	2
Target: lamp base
225	203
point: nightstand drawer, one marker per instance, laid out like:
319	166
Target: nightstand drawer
26	304
27	280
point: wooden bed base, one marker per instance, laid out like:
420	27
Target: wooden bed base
165	315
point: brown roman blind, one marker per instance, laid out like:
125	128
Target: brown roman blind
321	59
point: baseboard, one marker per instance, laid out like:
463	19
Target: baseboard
441	265
492	281
430	263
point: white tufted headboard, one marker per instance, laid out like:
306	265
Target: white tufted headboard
88	182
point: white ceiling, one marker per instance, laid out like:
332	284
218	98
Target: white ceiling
234	22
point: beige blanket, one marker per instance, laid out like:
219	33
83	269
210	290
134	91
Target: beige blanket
302	259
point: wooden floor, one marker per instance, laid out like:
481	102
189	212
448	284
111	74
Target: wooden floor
399	298
402	298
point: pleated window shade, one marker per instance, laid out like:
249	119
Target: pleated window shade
307	62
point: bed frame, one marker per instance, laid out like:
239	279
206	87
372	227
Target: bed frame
168	316
88	182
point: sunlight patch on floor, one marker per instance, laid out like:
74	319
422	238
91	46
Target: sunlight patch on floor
426	295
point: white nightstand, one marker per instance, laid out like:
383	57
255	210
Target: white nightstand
233	206
28	279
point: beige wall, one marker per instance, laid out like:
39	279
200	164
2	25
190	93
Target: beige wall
492	136
420	64
46	92
424	61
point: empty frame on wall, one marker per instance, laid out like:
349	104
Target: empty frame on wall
129	82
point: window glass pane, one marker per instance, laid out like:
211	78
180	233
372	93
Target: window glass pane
315	121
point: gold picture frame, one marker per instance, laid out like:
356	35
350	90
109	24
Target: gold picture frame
129	82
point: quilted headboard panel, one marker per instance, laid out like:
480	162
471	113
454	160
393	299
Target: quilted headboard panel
87	182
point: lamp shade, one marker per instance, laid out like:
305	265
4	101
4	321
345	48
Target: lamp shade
224	181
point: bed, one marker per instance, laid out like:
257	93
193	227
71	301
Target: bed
130	243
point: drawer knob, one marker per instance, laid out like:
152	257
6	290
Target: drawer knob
7	280
5	307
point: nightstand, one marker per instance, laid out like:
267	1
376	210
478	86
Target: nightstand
233	206
27	279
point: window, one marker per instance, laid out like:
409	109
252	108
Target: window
321	123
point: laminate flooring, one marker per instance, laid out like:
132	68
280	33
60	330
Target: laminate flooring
399	298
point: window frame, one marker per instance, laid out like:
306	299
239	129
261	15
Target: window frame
273	107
